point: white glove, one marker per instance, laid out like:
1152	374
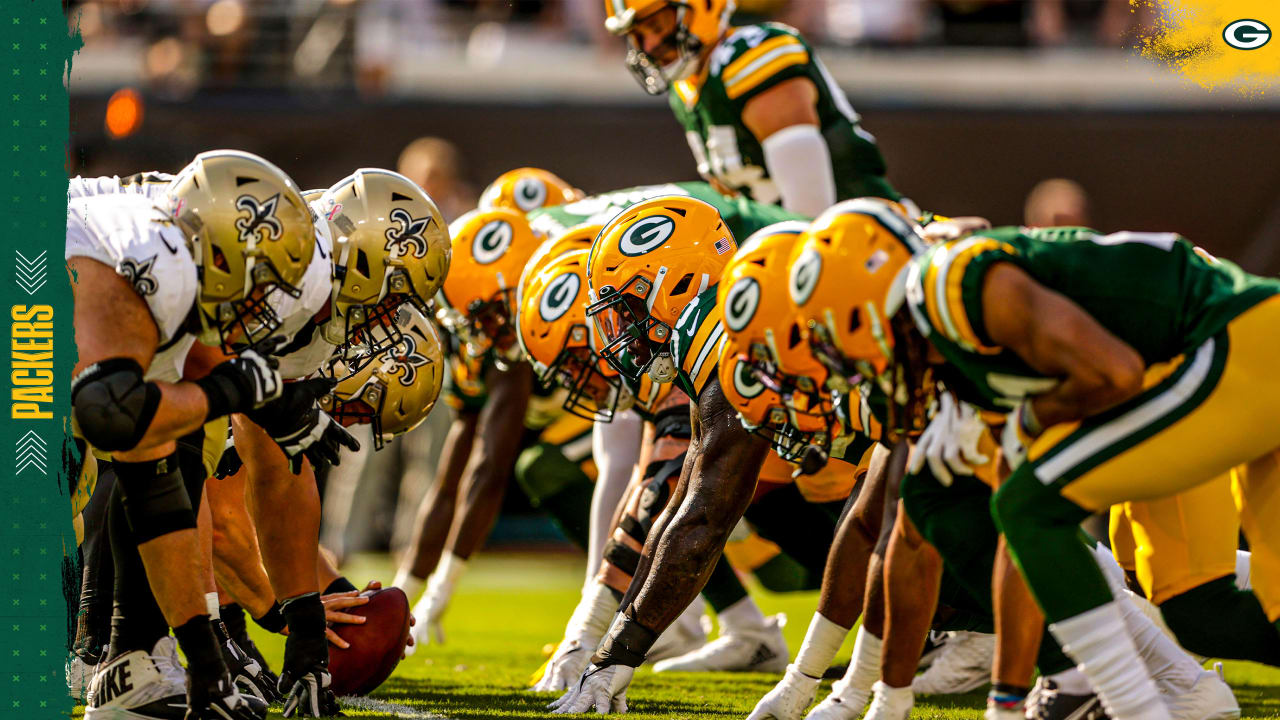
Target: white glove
788	699
429	610
950	443
601	689
1020	429
890	703
588	624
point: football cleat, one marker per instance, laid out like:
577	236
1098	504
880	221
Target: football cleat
844	703
764	650
963	665
680	638
1209	699
1047	702
80	669
249	676
889	703
309	695
139	685
933	646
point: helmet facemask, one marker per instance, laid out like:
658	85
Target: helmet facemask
635	341
653	76
243	324
593	394
485	325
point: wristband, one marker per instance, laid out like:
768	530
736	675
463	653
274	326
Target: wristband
221	395
339	585
273	620
626	643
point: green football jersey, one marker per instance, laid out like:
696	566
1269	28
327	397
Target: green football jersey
1155	291
742	215
748	61
696	341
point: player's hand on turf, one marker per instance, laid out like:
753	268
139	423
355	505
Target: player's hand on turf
308	695
602	689
301	429
334	604
950	443
788	699
566	665
428	614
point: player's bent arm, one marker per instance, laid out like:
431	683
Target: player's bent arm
718	479
493	458
785	120
237	563
1056	337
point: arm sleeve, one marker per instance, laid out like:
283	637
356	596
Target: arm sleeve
799	162
616	448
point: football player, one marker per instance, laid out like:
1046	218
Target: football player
762	115
232	233
993	315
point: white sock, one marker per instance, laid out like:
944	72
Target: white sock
1169	665
1098	641
864	669
1071	682
742	616
821	643
406	581
1243	567
211	603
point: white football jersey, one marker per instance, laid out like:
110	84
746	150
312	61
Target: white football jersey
129	234
306	350
150	184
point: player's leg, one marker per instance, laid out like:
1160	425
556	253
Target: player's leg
553	478
1257	492
93	619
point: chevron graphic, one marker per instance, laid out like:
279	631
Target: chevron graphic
31	273
31	452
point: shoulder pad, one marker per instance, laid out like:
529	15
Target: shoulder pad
751	55
696	340
944	287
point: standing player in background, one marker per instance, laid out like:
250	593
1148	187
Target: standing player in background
762	115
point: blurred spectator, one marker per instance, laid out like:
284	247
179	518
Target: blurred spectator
1055	202
434	164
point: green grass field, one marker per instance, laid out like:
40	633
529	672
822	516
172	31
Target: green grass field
509	605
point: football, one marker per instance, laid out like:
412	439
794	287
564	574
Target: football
376	645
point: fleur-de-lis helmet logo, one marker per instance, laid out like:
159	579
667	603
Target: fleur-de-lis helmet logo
139	275
406	238
407	359
261	222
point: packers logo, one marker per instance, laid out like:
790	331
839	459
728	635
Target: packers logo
260	223
139	275
530	193
406	238
492	242
745	382
646	235
559	296
741	302
407	360
1247	34
804	276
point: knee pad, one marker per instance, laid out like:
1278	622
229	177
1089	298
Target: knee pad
621	557
657	490
673	423
154	498
113	404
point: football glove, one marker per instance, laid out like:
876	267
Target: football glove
950	443
213	696
602	689
301	428
788	699
588	624
308	695
243	383
1020	430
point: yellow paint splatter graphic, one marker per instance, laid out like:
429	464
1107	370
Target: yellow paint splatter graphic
1196	37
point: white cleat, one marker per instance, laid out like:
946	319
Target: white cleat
680	638
889	703
79	675
761	650
1209	699
963	665
140	686
844	703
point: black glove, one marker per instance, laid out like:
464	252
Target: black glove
212	696
229	464
308	695
243	383
250	676
298	425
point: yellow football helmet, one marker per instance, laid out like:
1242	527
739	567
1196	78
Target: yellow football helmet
646	265
578	237
695	26
527	189
251	234
841	274
490	249
552	328
390	246
397	388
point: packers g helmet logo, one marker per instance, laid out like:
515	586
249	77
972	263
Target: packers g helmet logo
741	302
261	222
646	235
804	276
1246	34
745	382
406	238
530	193
492	242
559	297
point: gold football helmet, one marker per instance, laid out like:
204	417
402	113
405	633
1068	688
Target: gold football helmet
695	26
646	265
578	237
397	388
527	189
490	250
250	234
390	246
552	327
